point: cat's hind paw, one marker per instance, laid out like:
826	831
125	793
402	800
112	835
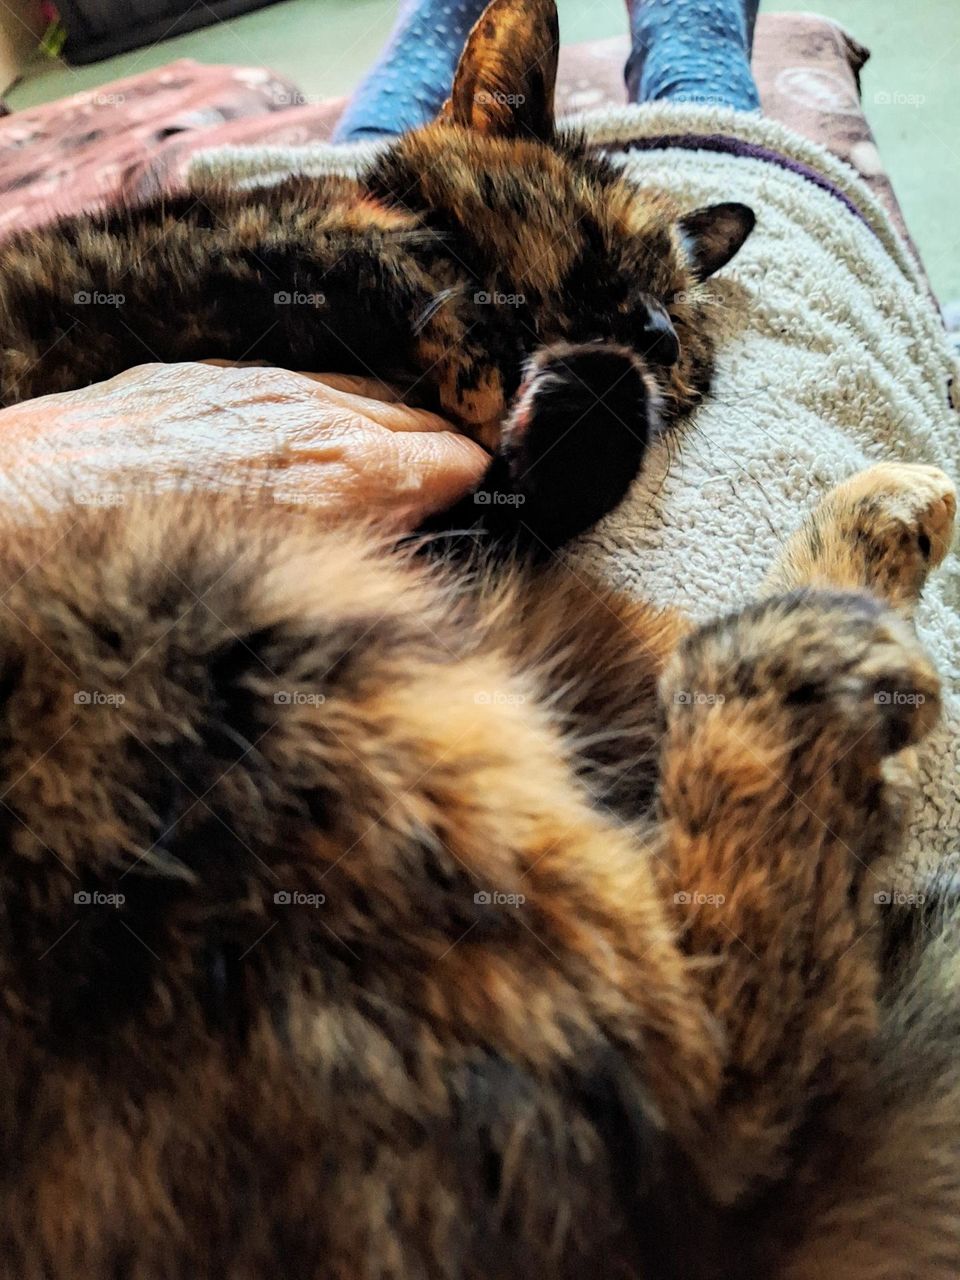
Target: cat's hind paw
802	695
907	509
884	529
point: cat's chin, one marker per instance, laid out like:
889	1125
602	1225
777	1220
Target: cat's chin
570	448
578	434
600	378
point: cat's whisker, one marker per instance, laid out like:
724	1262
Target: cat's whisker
439	300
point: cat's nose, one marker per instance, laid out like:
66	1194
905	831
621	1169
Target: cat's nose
661	345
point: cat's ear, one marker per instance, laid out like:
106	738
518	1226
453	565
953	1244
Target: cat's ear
507	72
712	235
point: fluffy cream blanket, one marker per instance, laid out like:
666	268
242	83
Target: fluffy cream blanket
834	357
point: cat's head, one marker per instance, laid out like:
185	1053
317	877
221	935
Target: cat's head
552	227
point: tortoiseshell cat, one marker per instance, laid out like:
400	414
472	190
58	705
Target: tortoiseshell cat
400	274
355	922
360	920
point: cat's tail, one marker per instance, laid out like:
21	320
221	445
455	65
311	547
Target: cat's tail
572	446
892	1212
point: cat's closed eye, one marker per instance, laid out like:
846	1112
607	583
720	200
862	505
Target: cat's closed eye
657	338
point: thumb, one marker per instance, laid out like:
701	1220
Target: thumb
431	470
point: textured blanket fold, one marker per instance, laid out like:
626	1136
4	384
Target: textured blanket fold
833	357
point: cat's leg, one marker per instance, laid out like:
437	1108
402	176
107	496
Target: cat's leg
407	86
775	802
883	531
774	806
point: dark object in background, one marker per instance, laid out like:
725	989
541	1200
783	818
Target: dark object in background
100	28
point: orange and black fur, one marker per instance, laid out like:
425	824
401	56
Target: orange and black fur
361	919
469	248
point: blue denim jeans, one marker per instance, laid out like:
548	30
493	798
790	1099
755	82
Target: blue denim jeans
682	51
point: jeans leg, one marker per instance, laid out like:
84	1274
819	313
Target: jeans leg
692	51
413	76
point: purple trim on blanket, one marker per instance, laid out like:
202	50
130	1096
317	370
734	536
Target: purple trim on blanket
737	147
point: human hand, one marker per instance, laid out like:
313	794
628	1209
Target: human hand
342	446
